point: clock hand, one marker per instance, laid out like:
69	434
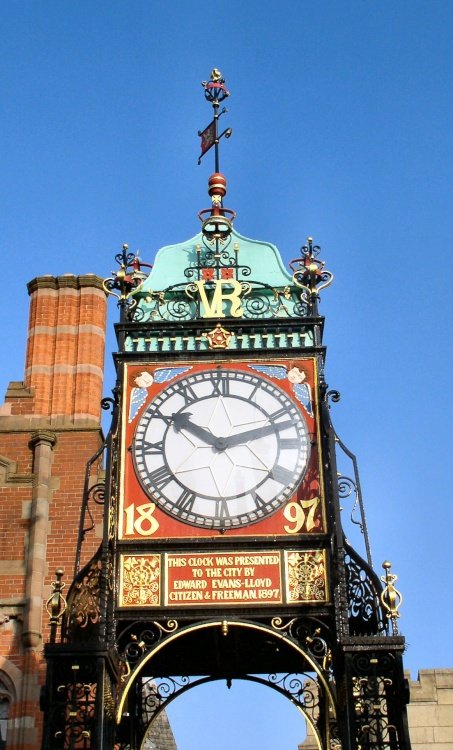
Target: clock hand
182	422
257	432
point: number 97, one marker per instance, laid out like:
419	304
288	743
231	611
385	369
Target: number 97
295	514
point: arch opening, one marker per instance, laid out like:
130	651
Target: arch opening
233	650
217	715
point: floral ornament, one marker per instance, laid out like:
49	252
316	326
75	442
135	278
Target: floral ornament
219	337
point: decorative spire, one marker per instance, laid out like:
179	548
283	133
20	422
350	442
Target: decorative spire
309	272
391	598
56	604
215	92
128	277
216	221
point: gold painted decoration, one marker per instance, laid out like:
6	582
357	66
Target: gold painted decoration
140	580
391	598
214	294
219	338
306	576
56	604
84	600
222	579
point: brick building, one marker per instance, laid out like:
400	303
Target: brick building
49	428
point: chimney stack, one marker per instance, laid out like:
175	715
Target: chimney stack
65	347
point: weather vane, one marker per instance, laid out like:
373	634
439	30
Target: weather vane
215	92
217	220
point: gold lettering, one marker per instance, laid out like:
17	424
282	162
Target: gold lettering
214	308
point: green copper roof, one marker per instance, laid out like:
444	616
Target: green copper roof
215	278
262	258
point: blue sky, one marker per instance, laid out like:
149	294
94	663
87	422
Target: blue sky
342	121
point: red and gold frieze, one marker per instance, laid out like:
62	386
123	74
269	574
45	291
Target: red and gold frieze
224	447
216	579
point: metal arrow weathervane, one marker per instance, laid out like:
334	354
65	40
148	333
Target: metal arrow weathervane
215	92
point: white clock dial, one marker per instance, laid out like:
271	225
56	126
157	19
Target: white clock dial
221	448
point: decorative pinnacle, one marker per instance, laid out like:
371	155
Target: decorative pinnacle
391	598
216	221
215	90
129	276
309	272
56	604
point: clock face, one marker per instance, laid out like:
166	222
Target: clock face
221	448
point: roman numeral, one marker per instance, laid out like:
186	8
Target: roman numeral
160	477
222	384
259	502
163	417
221	509
278	414
189	394
288	443
253	393
186	500
282	475
152	449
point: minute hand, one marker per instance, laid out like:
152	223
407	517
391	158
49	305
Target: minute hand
257	432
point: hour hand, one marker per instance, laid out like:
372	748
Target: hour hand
181	421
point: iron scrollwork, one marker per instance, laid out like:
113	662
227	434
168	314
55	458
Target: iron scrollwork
346	488
74	715
373	691
300	688
215	263
364	591
83	607
309	272
312	634
157	693
136	640
93	495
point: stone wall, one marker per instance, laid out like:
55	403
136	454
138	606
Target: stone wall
431	710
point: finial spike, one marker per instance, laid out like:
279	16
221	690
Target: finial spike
217	221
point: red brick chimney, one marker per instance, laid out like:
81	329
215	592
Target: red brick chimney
65	350
49	428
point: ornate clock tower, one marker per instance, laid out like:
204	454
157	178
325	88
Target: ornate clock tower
224	552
